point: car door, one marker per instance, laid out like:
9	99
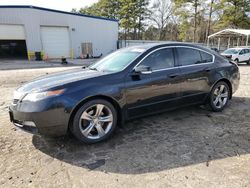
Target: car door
242	55
197	69
247	54
154	90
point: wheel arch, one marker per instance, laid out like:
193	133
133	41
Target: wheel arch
107	98
228	83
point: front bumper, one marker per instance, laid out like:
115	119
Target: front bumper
36	119
23	124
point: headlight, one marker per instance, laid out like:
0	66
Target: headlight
36	96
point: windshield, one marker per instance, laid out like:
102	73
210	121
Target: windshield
231	51
117	61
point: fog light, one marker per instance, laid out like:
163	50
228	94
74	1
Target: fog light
29	123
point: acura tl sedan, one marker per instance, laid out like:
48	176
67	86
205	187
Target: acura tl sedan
132	82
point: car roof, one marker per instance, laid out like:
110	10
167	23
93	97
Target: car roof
149	46
239	48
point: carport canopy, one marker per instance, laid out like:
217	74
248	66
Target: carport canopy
231	33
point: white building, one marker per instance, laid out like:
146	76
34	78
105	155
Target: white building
25	30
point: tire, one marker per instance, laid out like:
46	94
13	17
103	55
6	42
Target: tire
219	96
237	61
91	125
248	62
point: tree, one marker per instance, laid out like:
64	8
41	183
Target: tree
161	11
151	33
188	9
209	18
235	14
130	13
127	16
141	14
184	20
104	8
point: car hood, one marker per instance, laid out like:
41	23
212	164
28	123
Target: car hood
225	54
57	79
231	56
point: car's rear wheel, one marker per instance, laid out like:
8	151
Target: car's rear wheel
95	121
248	62
237	61
219	96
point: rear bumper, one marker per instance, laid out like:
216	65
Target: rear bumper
52	122
235	81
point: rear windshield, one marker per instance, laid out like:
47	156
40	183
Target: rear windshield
231	51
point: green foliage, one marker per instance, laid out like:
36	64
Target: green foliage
188	11
130	13
184	20
235	14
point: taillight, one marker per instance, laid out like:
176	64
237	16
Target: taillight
234	63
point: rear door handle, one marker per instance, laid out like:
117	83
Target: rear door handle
173	75
207	70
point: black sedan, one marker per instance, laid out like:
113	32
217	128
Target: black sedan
129	83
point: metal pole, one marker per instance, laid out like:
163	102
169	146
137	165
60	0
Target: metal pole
247	41
219	43
238	40
228	43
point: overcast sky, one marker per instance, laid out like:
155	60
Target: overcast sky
65	5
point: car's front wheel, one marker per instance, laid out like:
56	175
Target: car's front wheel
95	121
219	96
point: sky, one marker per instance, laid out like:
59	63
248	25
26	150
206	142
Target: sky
65	5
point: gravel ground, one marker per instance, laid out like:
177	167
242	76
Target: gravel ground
189	147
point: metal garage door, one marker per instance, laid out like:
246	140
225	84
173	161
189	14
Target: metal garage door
12	32
55	41
12	42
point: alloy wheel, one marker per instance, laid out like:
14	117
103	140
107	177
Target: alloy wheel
96	121
220	96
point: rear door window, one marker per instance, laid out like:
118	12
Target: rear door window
188	56
206	58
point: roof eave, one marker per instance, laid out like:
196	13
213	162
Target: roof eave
58	11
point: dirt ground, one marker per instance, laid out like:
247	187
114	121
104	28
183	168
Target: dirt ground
24	64
190	147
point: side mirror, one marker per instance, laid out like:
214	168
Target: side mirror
142	69
241	53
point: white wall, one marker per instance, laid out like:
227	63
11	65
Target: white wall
102	33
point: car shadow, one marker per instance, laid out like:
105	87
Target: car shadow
169	140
